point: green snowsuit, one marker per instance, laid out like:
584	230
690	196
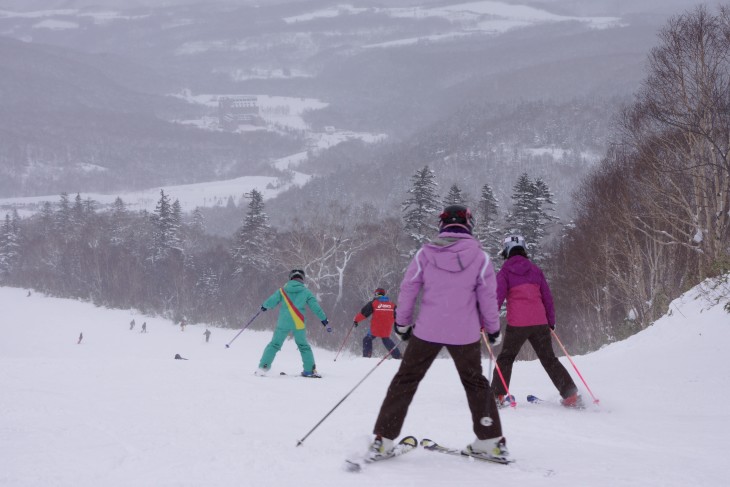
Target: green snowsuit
291	321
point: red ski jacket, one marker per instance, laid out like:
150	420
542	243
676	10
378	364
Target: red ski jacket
382	310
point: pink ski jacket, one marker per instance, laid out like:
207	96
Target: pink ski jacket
523	285
456	282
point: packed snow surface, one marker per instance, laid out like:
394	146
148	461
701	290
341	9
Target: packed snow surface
117	410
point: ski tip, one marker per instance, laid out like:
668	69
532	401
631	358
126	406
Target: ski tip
352	466
409	440
426	443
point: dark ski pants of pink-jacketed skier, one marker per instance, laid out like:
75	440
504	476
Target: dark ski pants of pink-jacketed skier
417	359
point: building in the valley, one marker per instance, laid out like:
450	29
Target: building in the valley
239	110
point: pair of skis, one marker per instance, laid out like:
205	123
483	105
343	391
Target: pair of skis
509	400
410	443
315	375
536	400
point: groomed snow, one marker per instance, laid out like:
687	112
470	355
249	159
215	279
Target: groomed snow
118	410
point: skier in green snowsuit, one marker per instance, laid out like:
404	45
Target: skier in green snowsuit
294	296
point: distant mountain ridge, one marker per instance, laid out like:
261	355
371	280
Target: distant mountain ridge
65	125
43	76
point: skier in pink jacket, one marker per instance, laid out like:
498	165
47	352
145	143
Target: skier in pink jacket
456	282
530	317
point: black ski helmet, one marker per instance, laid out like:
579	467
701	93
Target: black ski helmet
296	274
456	216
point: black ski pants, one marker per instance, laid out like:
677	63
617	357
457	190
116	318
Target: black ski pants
417	359
541	341
367	346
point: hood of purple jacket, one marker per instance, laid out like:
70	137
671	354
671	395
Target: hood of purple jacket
518	265
452	252
456	281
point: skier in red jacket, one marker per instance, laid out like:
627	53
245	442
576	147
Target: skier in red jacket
382	310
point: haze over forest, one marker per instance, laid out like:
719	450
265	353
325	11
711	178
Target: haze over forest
96	98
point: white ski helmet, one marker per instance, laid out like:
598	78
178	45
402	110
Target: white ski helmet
512	241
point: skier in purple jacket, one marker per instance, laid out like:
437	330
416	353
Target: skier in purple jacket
456	282
530	317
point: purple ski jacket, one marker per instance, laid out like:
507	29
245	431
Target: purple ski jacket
523	285
458	288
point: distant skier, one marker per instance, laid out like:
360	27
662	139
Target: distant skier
28	295
131	325
144	327
382	310
81	337
182	324
179	357
295	297
207	335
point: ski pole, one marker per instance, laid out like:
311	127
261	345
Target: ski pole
595	401
299	443
512	401
345	340
228	345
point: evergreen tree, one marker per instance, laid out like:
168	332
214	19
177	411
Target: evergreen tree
455	196
45	237
15	222
63	219
545	214
46	216
119	219
166	223
521	218
487	230
89	208
197	225
250	247
176	224
546	201
420	209
9	246
77	214
531	213
208	292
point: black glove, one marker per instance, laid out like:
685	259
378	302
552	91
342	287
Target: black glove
263	309
494	338
552	327
404	332
355	323
326	322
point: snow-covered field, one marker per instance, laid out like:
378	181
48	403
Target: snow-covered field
190	196
118	410
467	12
